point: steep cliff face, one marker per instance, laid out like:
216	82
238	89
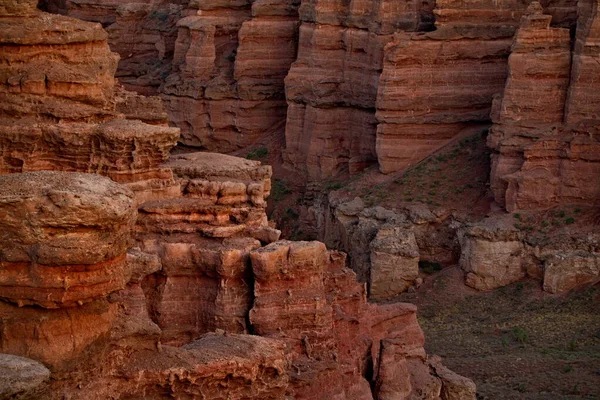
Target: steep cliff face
226	90
434	85
143	34
332	86
546	152
60	106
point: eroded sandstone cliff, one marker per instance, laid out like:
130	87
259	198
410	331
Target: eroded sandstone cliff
116	285
545	146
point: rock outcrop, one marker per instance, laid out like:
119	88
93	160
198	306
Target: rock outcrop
20	375
436	84
57	269
544	141
232	367
72	249
332	86
203	238
385	246
306	297
59	109
226	86
135	273
497	251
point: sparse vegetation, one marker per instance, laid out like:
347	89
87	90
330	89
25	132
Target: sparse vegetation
520	335
291	213
333	185
279	190
429	267
258	154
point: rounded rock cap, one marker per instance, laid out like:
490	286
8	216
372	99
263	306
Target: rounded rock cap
63	218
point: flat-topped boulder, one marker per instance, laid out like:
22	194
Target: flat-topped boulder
216	166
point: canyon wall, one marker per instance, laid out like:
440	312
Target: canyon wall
332	86
544	142
146	285
226	86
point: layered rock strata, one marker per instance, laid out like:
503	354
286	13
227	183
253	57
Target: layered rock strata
57	269
59	109
544	142
74	290
306	297
203	237
226	86
332	86
436	84
143	34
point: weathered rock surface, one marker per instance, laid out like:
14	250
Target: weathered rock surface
226	86
495	253
215	366
394	262
545	146
74	295
20	375
492	254
306	297
55	337
73	247
569	270
203	238
59	109
385	246
332	86
432	86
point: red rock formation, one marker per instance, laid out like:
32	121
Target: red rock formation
142	34
203	238
59	109
305	296
73	248
583	100
68	257
228	367
226	89
332	86
74	291
433	85
546	152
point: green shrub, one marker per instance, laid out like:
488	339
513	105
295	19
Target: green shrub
520	335
279	190
258	154
429	267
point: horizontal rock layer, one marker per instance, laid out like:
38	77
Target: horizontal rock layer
545	149
73	247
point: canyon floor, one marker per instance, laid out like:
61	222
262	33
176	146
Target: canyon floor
516	342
